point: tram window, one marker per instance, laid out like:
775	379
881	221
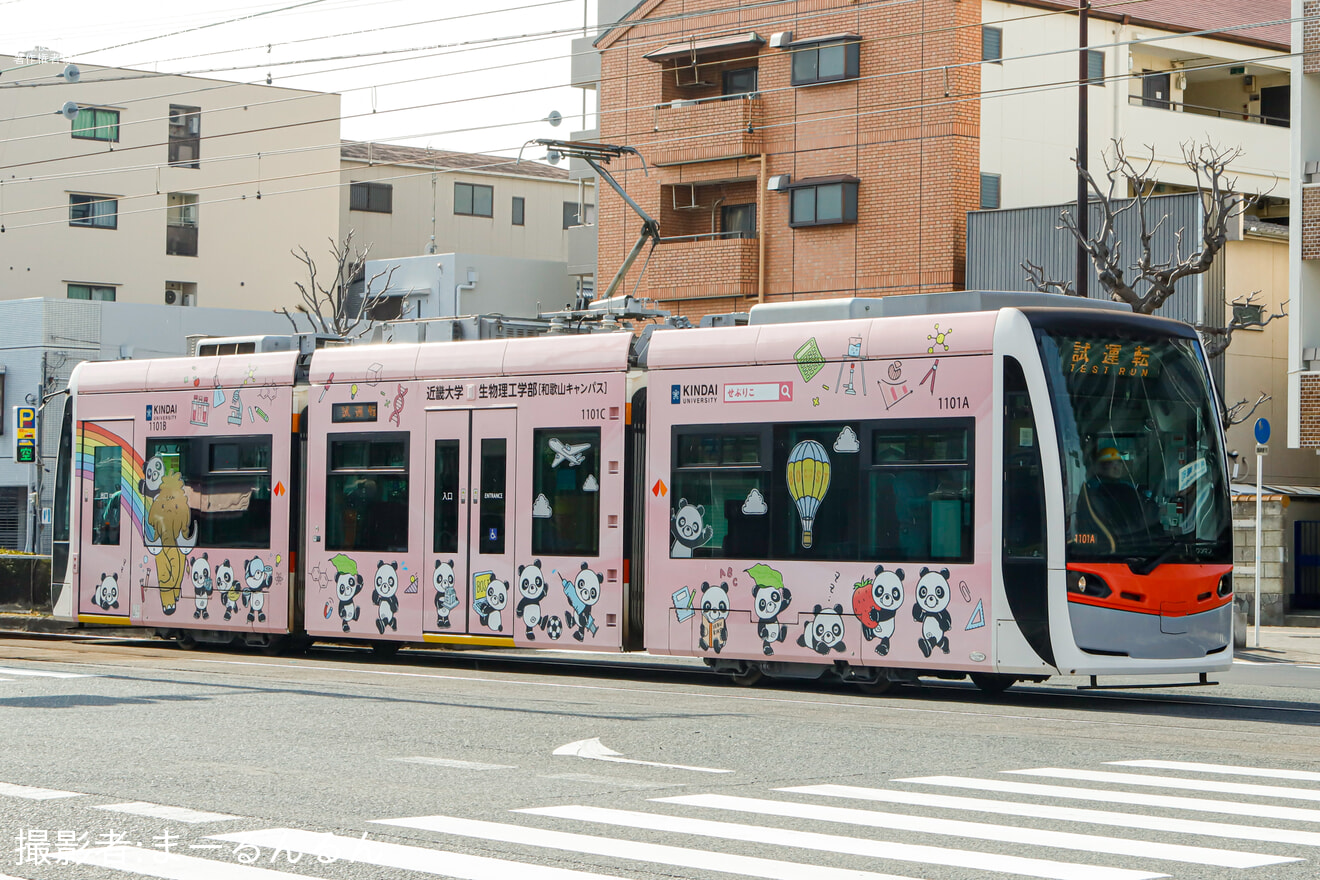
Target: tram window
494	475
366	498
720	493
226	482
566	492
445	536
815	509
919	493
106	498
1024	483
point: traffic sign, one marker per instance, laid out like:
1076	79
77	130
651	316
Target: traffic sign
1262	430
25	434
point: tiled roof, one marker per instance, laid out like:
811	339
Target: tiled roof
1232	17
447	160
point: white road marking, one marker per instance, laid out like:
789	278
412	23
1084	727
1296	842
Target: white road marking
833	843
1064	814
1173	852
593	749
7	670
171	866
454	764
1223	769
35	794
1242	788
1134	798
654	853
403	857
161	811
609	780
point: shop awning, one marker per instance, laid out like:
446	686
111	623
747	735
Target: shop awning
709	46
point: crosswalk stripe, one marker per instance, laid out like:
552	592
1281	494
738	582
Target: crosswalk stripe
1223	769
1132	798
403	857
654	853
161	811
171	866
979	831
833	843
1065	814
8	670
1242	788
35	794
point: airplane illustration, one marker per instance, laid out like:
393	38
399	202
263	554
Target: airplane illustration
567	452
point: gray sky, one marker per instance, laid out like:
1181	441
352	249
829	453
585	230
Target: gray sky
530	78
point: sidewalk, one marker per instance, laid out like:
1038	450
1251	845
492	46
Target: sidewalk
1278	644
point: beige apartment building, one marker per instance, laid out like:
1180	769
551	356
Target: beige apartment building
411	201
156	188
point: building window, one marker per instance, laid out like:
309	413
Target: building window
519	211
823	203
96	124
181	225
474	200
571	217
989	192
99	292
740	82
377	198
1095	67
992	44
97	212
185	136
826	61
738	221
366	493
1249	314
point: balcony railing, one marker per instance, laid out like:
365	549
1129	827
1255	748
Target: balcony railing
1199	110
181	241
702	266
704	129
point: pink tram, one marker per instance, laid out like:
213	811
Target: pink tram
869	489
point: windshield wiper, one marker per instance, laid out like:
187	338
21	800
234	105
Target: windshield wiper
1145	565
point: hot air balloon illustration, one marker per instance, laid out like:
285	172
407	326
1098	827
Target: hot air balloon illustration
808	476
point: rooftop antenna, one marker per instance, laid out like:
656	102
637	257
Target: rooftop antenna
597	155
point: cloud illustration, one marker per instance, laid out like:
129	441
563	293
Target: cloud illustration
755	504
590	484
847	441
541	508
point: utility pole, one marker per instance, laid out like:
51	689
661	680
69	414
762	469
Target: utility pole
1083	208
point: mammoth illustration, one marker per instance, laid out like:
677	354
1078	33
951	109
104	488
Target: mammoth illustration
168	539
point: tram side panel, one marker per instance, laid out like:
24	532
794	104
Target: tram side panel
824	509
183	500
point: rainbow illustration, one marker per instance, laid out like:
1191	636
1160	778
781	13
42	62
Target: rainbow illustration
91	437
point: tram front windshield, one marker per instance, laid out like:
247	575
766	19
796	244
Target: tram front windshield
1143	467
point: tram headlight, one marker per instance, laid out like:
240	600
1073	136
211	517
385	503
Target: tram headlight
1226	585
1084	583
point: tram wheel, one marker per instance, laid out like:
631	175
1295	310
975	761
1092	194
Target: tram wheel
278	644
185	641
876	688
993	682
750	676
385	650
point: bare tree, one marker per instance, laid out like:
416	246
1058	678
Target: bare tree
1148	281
327	304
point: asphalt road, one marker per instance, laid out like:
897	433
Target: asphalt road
135	759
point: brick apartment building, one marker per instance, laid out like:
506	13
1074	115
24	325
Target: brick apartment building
806	149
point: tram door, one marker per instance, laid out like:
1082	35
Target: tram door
470	569
107	499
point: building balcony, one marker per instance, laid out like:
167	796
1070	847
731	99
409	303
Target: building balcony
181	241
703	266
707	129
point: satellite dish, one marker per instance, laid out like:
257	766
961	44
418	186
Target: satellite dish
555	118
71	73
69	111
552	156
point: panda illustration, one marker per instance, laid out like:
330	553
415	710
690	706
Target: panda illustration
887	594
488	608
932	610
769	603
532	588
714	612
384	595
583	593
256	581
106	594
446	597
688	524
824	631
153	472
348	584
199	570
229	588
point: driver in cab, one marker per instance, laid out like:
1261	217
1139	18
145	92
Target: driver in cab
1112	506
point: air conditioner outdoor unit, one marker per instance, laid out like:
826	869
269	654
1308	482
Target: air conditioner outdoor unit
171	296
190	299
